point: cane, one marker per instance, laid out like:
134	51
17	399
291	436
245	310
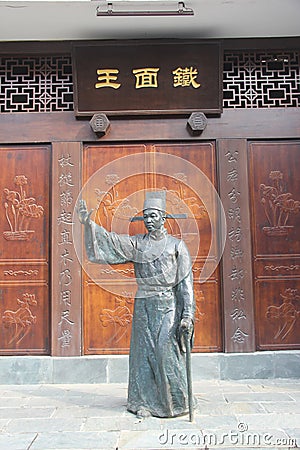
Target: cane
187	340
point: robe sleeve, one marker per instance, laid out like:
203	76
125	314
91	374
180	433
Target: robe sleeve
105	247
184	287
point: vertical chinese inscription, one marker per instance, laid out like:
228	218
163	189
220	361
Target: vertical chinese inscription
237	276
236	271
64	223
66	305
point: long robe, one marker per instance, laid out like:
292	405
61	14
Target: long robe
157	372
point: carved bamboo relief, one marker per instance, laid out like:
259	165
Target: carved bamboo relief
112	203
285	316
20	321
180	200
276	246
118	319
19	211
278	205
199	313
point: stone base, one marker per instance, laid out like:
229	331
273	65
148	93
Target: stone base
114	368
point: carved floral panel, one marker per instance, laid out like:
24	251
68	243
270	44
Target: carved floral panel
24	250
275	201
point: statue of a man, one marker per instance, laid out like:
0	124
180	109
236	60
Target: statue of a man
164	308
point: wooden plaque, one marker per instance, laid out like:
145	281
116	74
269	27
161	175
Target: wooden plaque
140	77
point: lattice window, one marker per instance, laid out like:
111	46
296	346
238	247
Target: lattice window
36	84
261	79
252	79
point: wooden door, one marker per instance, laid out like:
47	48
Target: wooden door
116	178
275	199
24	250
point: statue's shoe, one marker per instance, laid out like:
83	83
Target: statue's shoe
143	413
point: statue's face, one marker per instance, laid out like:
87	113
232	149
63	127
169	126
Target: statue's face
153	219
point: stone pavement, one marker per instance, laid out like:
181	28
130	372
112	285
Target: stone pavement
256	414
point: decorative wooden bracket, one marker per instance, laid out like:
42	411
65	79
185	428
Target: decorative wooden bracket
100	124
196	123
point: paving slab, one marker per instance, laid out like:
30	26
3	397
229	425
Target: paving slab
234	388
211	396
237	408
3	424
19	391
121	423
216	422
282	406
258	397
294	434
278	383
92	411
22	412
38	425
20	441
269	421
76	440
295	395
12	402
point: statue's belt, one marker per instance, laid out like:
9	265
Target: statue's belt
166	293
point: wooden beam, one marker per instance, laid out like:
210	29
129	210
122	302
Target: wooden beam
266	123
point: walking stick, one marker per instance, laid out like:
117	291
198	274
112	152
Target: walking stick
187	340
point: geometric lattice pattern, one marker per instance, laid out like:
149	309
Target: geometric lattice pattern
251	79
260	79
36	84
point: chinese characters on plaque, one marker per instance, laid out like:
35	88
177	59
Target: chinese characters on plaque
148	78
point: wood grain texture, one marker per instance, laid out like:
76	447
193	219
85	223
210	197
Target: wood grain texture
109	290
275	208
238	306
24	250
66	270
261	123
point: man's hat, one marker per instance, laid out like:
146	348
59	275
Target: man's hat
155	200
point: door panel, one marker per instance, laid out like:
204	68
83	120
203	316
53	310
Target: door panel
109	290
24	250
275	199
191	191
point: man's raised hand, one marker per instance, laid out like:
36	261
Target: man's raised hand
83	214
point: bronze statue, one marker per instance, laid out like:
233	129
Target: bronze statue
163	310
